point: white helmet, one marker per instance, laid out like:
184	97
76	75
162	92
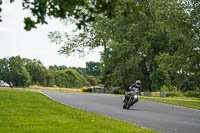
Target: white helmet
138	82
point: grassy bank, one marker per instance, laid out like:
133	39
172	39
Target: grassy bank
31	112
181	101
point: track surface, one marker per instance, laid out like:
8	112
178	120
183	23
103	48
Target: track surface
157	116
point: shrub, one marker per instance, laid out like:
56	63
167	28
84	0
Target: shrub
164	88
172	88
69	78
172	94
197	89
159	79
92	80
192	94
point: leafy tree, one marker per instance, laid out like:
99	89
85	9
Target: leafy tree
155	41
4	69
50	79
93	68
38	72
83	11
13	70
69	78
92	80
80	70
55	67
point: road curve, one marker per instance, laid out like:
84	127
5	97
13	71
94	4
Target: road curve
157	116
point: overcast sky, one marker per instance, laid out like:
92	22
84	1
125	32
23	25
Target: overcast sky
34	44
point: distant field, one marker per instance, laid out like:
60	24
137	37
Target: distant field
181	101
31	112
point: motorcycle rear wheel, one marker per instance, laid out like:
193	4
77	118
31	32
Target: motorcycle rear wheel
124	106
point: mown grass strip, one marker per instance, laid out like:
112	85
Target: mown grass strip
180	101
31	112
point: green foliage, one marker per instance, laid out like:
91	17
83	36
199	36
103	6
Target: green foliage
38	72
50	79
29	24
154	41
172	94
79	79
83	11
158	79
55	67
164	88
13	70
70	78
24	72
92	80
61	79
192	94
80	70
93	68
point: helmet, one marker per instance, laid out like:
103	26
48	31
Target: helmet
138	82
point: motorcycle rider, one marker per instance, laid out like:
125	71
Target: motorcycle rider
137	84
11	85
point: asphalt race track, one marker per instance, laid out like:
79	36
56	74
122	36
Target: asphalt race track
157	116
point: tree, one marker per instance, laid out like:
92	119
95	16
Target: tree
69	78
154	41
4	69
83	11
93	68
92	80
55	67
38	72
13	70
80	70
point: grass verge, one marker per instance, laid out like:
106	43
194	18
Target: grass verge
180	101
31	112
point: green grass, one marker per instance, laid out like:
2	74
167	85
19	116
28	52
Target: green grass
31	112
181	101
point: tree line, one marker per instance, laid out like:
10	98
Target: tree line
24	72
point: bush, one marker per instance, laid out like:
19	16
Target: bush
171	88
158	78
92	80
173	94
192	94
164	88
69	78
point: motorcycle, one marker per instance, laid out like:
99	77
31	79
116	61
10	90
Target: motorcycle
131	98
